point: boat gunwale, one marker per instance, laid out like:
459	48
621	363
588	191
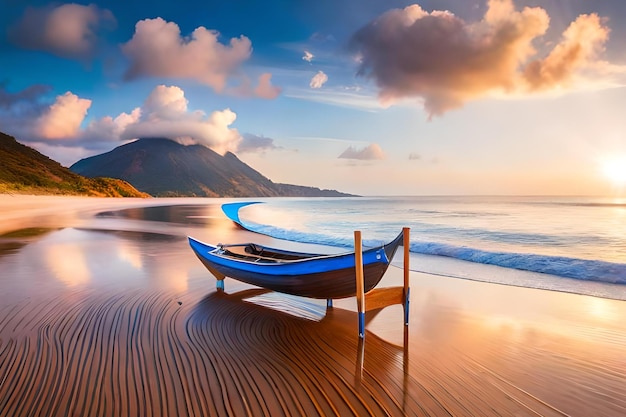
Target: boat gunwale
279	262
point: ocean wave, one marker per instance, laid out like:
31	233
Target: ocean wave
302	237
502	236
581	269
592	204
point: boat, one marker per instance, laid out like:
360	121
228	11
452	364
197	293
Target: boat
231	210
304	274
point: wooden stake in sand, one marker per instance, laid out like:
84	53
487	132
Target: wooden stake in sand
406	242
360	295
378	298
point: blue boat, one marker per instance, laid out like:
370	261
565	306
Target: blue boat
310	275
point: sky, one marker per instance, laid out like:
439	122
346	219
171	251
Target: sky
370	97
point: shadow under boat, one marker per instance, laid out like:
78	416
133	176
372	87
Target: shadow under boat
280	326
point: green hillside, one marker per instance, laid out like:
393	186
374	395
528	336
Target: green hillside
23	170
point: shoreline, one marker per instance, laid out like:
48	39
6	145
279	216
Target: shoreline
119	317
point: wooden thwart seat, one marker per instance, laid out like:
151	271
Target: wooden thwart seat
383	297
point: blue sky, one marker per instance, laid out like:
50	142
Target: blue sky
368	97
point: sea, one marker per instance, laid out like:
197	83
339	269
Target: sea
569	244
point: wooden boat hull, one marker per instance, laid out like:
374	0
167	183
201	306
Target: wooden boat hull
319	276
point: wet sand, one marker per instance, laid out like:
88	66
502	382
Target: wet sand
108	313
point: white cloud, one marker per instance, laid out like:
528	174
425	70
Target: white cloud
109	129
165	115
63	118
165	103
318	80
308	57
157	49
370	152
68	30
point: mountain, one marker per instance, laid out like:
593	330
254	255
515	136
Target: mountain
24	170
162	167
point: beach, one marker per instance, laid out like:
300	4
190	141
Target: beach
105	311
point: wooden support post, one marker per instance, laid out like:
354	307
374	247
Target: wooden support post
360	360
406	242
360	290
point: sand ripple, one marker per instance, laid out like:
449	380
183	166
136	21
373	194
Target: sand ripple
142	353
153	353
125	323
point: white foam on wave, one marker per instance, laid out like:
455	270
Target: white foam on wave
457	268
589	277
581	269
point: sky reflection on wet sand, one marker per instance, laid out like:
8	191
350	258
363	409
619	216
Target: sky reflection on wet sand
113	314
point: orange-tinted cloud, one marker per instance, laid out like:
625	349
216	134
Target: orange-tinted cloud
157	49
318	80
370	152
68	30
446	61
583	40
265	89
63	118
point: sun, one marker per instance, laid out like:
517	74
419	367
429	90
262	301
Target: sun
614	168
